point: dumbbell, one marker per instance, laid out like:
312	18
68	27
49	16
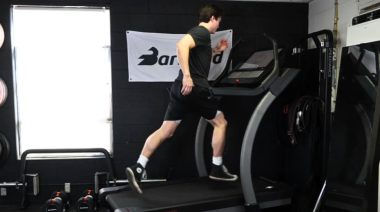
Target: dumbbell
86	202
58	202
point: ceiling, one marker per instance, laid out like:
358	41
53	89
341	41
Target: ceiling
294	1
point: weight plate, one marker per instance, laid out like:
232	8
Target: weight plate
3	92
4	150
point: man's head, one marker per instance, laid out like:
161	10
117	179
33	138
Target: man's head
212	15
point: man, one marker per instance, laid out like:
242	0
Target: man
190	92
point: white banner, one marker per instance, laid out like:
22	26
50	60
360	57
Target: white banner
152	56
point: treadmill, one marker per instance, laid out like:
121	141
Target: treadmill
203	194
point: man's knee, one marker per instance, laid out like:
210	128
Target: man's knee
220	120
223	122
167	129
166	134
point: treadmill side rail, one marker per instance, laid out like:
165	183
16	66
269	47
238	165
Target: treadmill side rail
251	131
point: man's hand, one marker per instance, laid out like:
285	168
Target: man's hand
222	45
187	85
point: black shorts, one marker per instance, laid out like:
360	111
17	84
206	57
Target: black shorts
200	101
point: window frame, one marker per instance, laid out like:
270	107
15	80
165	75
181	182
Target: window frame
109	119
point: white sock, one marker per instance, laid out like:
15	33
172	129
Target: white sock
143	160
217	161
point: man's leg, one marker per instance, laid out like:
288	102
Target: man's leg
166	131
218	170
136	172
219	135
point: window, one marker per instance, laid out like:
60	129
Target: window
62	75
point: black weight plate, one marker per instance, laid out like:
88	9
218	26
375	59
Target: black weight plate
4	150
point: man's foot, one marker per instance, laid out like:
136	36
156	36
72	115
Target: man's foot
221	173
134	174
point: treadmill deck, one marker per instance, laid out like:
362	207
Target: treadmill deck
197	195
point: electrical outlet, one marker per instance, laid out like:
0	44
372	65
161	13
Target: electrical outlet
3	192
67	187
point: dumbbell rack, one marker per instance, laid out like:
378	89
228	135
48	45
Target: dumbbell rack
24	200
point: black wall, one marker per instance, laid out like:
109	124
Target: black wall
138	108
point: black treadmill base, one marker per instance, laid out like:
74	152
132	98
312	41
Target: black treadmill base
197	195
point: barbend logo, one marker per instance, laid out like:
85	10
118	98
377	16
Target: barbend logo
153	58
149	59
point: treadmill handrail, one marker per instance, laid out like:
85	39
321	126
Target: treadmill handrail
247	69
276	67
199	150
237	91
251	131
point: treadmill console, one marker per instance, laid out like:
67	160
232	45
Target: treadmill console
252	72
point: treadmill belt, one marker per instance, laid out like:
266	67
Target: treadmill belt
201	194
198	195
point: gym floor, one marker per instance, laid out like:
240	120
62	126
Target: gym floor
35	208
39	208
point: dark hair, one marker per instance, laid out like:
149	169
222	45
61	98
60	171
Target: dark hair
209	10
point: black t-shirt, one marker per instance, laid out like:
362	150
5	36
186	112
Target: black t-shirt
199	57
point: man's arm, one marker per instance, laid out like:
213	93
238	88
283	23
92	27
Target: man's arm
183	50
